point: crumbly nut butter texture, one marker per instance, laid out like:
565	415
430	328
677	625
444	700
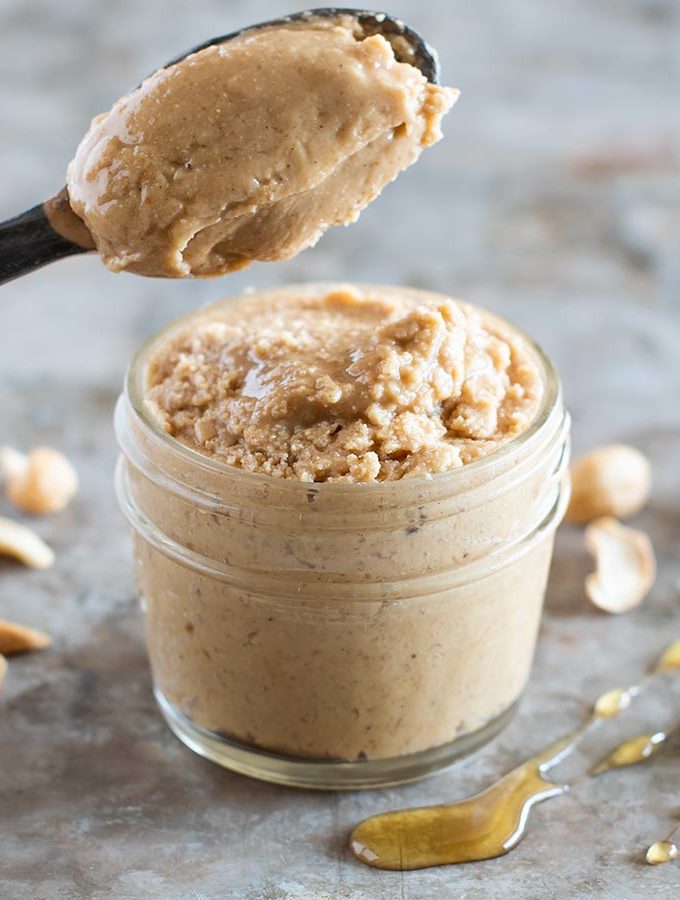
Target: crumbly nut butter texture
250	150
340	383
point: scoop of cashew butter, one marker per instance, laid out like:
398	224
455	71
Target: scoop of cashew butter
251	149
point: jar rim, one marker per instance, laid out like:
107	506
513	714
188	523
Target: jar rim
134	385
294	585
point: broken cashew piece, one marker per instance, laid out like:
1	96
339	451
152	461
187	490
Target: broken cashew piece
611	481
43	481
21	639
23	544
625	566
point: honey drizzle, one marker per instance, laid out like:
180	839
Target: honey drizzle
493	822
631	752
663	851
669	661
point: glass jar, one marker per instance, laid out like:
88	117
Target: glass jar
340	635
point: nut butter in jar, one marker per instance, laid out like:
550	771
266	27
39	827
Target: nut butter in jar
343	501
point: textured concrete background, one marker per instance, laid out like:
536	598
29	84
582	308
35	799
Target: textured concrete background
555	199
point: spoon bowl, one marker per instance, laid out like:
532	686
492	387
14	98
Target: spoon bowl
407	44
52	231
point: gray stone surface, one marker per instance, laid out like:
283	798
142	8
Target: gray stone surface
555	199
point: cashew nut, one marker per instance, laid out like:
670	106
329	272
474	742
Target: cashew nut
44	481
20	639
625	566
612	481
23	544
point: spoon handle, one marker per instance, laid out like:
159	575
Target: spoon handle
28	242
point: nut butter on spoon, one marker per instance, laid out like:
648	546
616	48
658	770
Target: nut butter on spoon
251	151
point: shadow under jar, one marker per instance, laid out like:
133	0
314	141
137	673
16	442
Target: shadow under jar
340	635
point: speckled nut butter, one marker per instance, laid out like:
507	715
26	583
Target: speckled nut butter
251	149
350	384
343	500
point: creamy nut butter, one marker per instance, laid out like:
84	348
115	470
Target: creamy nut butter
343	501
251	149
344	385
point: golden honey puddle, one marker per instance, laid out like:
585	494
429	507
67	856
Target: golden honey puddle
661	852
490	824
669	660
634	750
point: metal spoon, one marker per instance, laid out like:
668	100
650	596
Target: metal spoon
30	240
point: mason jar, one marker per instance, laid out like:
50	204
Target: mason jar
334	635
